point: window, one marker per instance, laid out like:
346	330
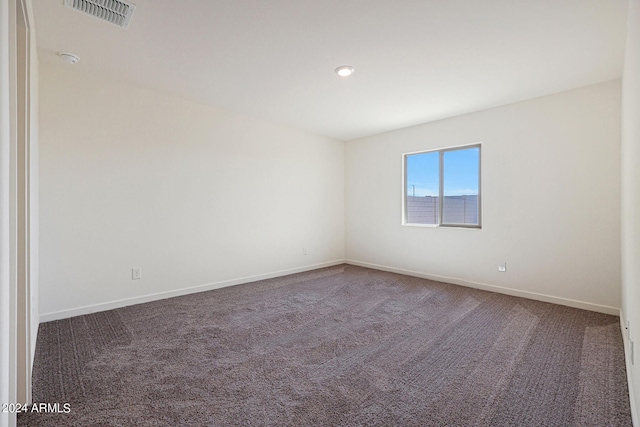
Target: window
442	187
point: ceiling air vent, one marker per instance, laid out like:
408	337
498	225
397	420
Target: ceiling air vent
117	12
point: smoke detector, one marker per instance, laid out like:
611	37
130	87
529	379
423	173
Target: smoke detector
117	12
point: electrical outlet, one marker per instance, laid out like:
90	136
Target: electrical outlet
136	273
304	251
502	267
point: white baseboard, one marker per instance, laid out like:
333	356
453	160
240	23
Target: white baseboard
47	317
64	314
632	401
493	288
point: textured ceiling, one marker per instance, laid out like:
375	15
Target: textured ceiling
416	61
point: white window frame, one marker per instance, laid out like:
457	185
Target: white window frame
441	152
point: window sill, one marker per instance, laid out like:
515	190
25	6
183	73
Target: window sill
466	227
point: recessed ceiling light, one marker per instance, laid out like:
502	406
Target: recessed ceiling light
69	58
345	70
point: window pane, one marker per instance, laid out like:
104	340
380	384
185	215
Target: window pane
423	188
461	182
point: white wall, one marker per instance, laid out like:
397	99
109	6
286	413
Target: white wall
631	198
193	195
550	200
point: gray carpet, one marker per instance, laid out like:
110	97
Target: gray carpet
341	346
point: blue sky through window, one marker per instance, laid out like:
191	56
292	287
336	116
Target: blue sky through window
460	173
423	174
